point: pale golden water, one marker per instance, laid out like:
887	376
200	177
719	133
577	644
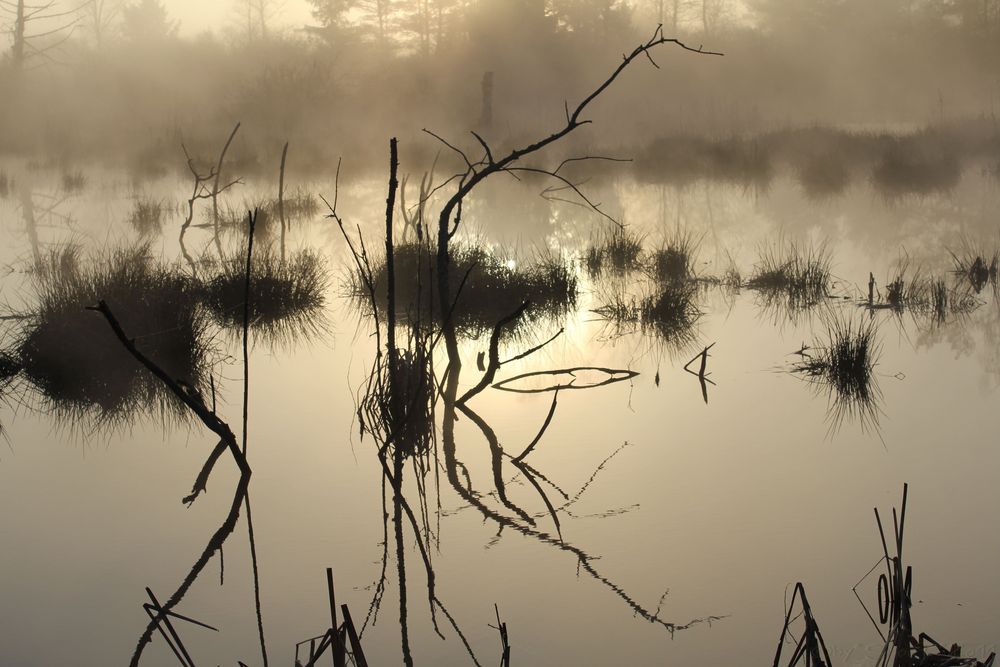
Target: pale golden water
725	505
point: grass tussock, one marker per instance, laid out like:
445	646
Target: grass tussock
797	275
674	260
976	267
844	362
146	216
74	359
287	296
491	288
907	290
618	252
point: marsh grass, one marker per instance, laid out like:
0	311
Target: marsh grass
9	368
908	167
146	216
684	160
674	260
398	407
297	206
287	296
923	296
976	267
490	288
74	182
73	359
790	278
944	304
671	313
823	176
233	219
844	364
618	252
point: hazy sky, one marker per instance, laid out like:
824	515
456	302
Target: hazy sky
218	15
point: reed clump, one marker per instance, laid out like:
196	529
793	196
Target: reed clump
287	296
976	267
674	260
844	362
75	361
931	297
791	275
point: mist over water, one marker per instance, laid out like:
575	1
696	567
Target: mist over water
561	331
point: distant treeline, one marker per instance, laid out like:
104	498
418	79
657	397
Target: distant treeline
119	84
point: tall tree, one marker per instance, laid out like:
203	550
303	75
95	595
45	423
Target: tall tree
147	21
38	31
599	18
346	20
101	16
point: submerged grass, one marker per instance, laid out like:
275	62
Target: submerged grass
69	354
287	296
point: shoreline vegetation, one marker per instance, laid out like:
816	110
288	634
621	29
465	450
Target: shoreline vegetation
122	334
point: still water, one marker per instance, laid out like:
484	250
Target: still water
683	523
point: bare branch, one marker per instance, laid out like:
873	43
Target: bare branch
482	142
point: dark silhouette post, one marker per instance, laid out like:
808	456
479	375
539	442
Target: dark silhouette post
486	117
